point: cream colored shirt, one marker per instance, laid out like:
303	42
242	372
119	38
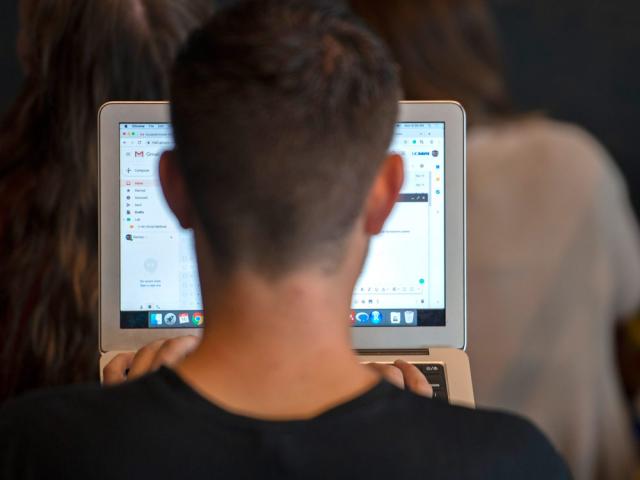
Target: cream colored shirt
554	259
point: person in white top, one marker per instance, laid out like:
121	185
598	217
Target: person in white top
553	261
553	245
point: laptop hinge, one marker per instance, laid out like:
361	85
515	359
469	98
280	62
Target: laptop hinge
396	351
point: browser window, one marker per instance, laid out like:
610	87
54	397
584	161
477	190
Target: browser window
403	280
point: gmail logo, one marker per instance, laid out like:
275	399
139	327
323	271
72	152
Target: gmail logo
139	154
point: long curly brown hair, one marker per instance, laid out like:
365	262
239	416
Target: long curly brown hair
77	54
446	49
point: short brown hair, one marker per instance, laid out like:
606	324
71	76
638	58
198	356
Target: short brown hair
283	112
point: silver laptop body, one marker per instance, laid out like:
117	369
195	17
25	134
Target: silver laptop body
409	303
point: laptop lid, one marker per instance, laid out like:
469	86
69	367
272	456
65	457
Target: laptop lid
410	295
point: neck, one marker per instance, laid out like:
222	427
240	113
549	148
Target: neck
278	349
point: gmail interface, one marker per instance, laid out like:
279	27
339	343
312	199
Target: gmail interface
403	280
158	273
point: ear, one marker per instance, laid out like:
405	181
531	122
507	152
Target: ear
175	189
383	194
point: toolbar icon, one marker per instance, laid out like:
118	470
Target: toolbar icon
409	316
197	319
170	319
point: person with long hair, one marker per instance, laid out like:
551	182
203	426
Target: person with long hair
553	246
76	55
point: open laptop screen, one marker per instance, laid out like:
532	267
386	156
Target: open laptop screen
403	281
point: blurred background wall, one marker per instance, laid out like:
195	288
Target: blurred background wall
9	68
576	60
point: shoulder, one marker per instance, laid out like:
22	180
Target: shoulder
551	168
43	412
45	403
537	142
79	403
496	444
41	431
516	446
74	414
536	132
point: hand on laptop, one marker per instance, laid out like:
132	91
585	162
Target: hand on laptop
131	365
404	375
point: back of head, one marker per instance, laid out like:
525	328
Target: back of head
283	112
446	50
76	55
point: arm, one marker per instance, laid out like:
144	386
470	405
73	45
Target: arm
128	366
617	222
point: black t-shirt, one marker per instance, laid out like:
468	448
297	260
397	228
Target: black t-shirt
158	427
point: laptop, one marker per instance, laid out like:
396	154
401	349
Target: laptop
409	302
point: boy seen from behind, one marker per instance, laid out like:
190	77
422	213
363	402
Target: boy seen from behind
282	115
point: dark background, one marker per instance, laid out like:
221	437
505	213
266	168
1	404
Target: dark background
9	68
576	60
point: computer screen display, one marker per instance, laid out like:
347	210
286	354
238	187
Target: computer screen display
403	280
